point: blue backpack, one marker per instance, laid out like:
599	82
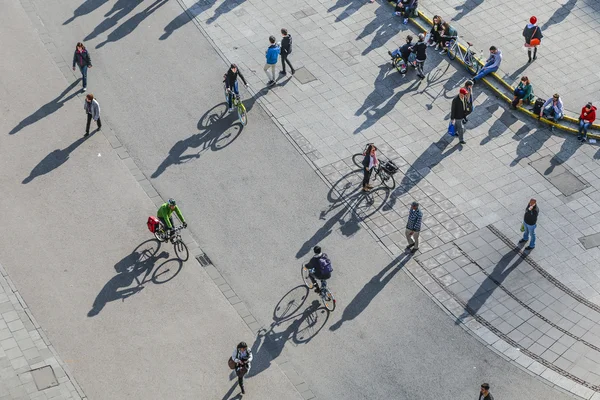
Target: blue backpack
325	265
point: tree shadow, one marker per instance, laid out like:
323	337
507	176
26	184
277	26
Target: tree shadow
499	126
567	149
491	282
224	8
421	167
87	7
132	23
528	144
47	109
217	131
352	205
385	26
139	267
352	6
186	16
466	8
119	10
53	160
559	15
371	289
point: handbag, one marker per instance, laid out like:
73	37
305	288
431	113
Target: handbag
451	129
522	227
534	41
231	363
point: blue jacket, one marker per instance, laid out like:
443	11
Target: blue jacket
273	53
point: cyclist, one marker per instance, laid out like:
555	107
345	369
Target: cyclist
231	83
403	51
319	267
164	215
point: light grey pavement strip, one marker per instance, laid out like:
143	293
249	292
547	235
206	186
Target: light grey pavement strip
359	98
567	27
30	368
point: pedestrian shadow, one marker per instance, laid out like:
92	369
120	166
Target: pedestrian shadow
385	26
349	206
134	271
230	392
559	15
519	72
132	23
87	7
370	290
499	126
492	281
567	149
529	144
186	16
53	160
352	6
466	8
293	324
421	167
224	8
217	131
119	10
47	109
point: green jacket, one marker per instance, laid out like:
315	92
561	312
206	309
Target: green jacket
165	212
527	89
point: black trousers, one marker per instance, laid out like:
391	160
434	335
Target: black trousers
366	176
89	120
284	59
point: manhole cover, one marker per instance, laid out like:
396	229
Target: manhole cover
44	377
590	241
558	175
304	76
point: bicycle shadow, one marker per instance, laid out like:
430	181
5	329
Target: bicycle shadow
216	131
134	271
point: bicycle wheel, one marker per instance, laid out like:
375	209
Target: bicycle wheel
387	179
400	65
241	109
452	50
357	159
468	60
476	67
181	250
328	300
306	278
160	235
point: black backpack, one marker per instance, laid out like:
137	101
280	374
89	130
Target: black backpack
537	106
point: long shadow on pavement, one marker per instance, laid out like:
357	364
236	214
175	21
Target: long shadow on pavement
567	149
491	282
466	8
217	131
528	144
139	267
186	16
87	7
53	160
559	15
352	6
224	8
129	26
385	26
371	289
119	10
47	109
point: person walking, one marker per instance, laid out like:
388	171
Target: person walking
413	227
491	64
458	113
286	50
81	57
468	100
484	392
586	119
272	55
530	223
533	37
368	163
92	110
242	358
420	50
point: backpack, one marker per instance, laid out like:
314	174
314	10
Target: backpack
537	107
325	265
152	223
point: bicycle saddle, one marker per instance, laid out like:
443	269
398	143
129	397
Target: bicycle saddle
470	44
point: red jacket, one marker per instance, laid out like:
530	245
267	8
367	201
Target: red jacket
591	114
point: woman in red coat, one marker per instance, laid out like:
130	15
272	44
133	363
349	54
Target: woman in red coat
587	118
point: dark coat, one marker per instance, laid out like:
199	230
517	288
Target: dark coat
488	397
85	59
286	45
533	32
530	217
420	49
458	110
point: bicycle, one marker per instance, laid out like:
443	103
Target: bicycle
384	171
237	103
468	57
326	295
181	249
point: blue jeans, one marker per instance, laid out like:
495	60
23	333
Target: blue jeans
396	53
550	113
583	128
84	74
485	71
529	230
234	90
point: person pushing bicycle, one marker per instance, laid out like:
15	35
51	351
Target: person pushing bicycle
319	267
231	83
164	215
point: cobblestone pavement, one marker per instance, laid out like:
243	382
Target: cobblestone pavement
29	365
565	63
345	94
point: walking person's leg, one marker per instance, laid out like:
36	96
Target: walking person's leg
266	69
420	72
366	178
532	233
409	238
529	54
460	130
99	123
535	52
84	75
525	233
289	63
273	66
87	125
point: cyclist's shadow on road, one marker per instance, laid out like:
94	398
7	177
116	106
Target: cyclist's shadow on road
217	130
135	270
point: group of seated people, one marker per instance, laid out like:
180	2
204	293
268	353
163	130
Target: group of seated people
406	8
553	109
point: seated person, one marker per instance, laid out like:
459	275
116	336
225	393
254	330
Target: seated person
553	108
491	65
449	34
320	268
435	34
586	118
406	8
404	50
523	92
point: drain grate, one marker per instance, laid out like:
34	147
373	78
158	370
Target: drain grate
44	377
203	260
